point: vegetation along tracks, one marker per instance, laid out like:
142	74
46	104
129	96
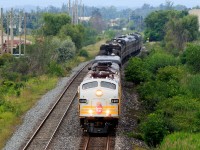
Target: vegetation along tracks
48	127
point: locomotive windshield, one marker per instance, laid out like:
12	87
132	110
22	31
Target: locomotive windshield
108	85
90	85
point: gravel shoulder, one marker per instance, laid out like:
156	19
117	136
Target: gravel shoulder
35	115
70	133
130	108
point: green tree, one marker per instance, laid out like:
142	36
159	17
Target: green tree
40	55
159	60
54	22
66	51
136	71
156	21
76	32
192	55
179	31
181	113
154	129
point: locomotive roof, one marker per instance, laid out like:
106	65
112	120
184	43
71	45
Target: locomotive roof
111	58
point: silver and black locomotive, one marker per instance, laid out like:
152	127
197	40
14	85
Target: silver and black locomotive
100	90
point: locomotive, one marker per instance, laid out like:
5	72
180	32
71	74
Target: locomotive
99	93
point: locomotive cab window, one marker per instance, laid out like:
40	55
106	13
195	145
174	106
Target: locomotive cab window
108	85
90	85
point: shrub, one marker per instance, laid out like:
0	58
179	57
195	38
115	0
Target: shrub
6	106
181	141
181	113
12	76
192	56
83	53
10	87
153	92
160	60
136	71
169	73
55	69
5	58
154	129
193	84
39	55
66	51
21	67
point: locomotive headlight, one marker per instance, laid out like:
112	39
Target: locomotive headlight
107	112
99	93
90	111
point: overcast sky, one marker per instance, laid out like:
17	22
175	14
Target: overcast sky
128	3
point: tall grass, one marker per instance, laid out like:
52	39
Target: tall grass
94	49
193	84
181	141
32	91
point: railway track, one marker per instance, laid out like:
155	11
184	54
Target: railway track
97	143
44	134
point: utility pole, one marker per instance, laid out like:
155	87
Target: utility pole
80	10
83	10
69	7
11	31
76	11
73	12
24	33
7	43
20	30
1	30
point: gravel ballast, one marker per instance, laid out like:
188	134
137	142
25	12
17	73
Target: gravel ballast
70	132
34	115
130	106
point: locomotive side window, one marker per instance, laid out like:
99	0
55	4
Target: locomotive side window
108	85
90	85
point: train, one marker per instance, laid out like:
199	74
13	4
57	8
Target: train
100	92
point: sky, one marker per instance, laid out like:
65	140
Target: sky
117	3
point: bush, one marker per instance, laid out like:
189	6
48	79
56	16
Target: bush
21	66
83	53
192	56
55	69
10	87
6	106
12	76
136	71
40	54
169	73
66	51
193	84
181	113
5	58
160	60
154	129
153	92
181	141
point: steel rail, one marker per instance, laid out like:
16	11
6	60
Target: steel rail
50	140
51	110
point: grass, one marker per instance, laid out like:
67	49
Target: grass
94	49
181	141
194	84
33	91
